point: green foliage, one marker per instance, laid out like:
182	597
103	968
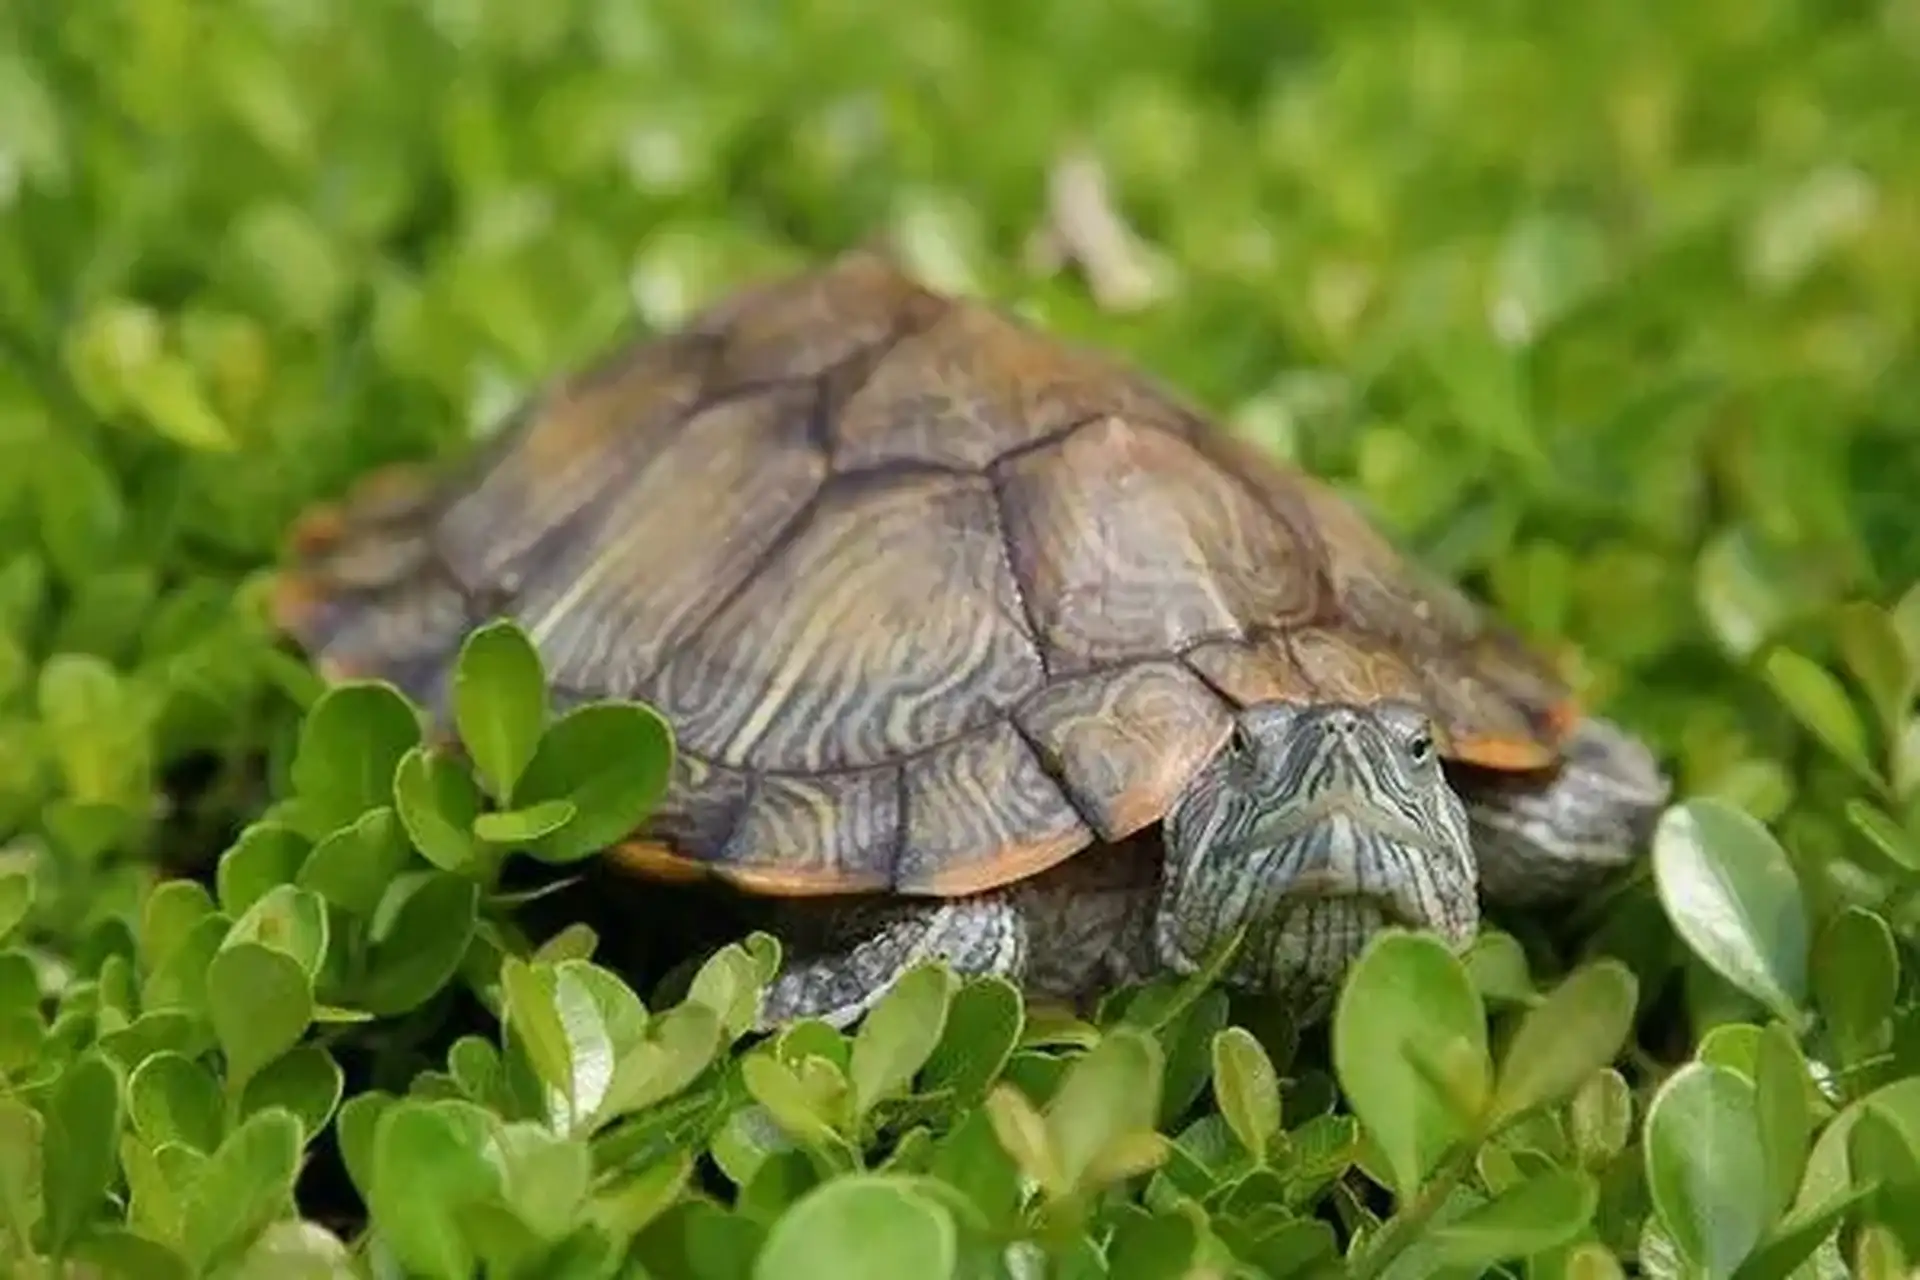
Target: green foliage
1606	311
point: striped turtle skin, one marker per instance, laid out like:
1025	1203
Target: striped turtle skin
935	603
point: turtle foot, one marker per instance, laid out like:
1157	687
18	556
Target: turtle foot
974	936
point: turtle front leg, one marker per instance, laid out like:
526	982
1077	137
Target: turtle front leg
1550	839
865	947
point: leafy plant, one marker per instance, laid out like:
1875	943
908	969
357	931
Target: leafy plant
1606	313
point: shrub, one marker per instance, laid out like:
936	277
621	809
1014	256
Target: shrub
1606	313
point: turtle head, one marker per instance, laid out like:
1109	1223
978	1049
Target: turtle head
1314	827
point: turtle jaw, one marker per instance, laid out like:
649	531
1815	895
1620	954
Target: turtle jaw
1322	829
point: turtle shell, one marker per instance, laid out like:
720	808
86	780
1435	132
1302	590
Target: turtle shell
931	600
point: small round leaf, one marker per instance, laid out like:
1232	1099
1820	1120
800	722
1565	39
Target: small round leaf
897	1036
1578	1029
261	1002
1247	1088
1731	893
350	744
1531	1217
1407	1001
611	761
437	802
1705	1167
499	704
863	1227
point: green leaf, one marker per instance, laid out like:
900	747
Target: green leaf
499	704
115	1253
82	1133
1497	964
428	1160
972	1159
22	1158
625	1207
1796	1239
1410	1050
1600	1119
1886	835
1247	1088
787	1098
357	1128
524	826
1578	1029
1878	660
611	760
1109	1095
438	802
983	1026
16	901
1856	975
95	729
352	867
1820	703
295	1250
547	1177
864	1227
1539	1214
731	982
1781	1088
288	919
180	980
1878	1254
351	744
431	918
242	1187
266	856
305	1081
171	1098
557	1023
1022	1133
1706	1170
1904	617
899	1034
261	1003
1160	1246
1732	895
1879	1151
678	1047
172	911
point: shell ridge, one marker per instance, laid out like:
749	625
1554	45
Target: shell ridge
1041	443
1054	773
1022	589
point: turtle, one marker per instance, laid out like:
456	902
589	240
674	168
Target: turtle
983	646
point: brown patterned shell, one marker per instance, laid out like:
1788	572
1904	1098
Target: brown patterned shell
931	600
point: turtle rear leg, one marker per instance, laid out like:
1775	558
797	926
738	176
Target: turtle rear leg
1553	837
363	592
867	946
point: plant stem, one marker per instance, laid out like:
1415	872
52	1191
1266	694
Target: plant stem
1404	1227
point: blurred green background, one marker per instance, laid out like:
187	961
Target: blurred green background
1608	310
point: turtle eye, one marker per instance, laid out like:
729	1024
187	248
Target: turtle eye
1240	743
1420	746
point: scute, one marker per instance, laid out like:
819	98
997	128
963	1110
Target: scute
837	655
931	600
1129	545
